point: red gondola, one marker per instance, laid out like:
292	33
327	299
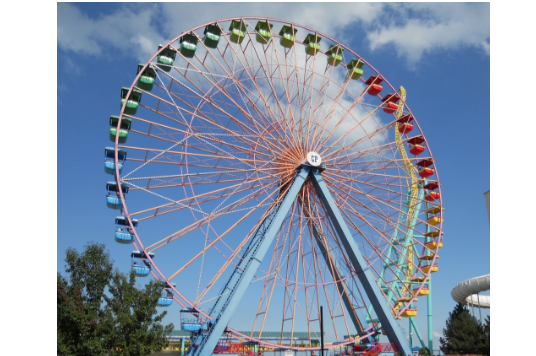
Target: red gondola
426	170
415	145
374	83
390	105
431	196
405	124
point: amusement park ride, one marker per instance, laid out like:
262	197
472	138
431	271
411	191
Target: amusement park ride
268	170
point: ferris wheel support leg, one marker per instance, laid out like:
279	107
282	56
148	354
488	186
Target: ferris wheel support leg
392	330
224	308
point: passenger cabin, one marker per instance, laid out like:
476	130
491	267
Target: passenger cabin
431	195
431	240
113	201
238	31
423	291
334	53
434	219
354	68
167	296
188	44
409	313
140	265
123	233
147	77
312	43
212	35
431	268
109	160
264	31
404	123
389	103
374	84
165	58
426	171
415	147
123	130
190	320
132	101
287	34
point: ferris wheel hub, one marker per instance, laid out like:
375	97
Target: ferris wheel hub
314	159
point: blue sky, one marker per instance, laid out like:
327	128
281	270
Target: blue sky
439	52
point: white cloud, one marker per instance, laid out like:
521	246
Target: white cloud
433	27
413	29
436	334
130	29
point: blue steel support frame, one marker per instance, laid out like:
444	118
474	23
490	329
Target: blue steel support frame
392	330
205	342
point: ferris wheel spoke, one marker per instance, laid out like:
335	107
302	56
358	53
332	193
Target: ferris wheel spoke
370	244
381	217
210	100
229	101
254	80
269	80
242	218
187	203
361	140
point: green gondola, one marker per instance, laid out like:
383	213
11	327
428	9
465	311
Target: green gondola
188	44
334	55
212	36
132	101
287	36
312	42
147	78
238	31
354	68
123	130
264	32
166	58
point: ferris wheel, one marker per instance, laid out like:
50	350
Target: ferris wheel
261	172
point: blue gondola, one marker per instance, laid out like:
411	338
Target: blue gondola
167	296
141	267
190	320
112	200
109	162
123	234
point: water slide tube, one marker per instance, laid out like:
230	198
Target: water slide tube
467	291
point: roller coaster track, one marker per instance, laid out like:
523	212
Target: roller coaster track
413	189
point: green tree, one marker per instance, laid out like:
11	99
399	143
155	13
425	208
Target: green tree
486	329
79	299
463	333
423	351
89	322
133	322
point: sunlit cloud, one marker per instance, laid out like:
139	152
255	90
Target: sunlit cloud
433	27
412	29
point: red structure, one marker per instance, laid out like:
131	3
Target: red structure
374	83
390	104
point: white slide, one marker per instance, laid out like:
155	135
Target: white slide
467	291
